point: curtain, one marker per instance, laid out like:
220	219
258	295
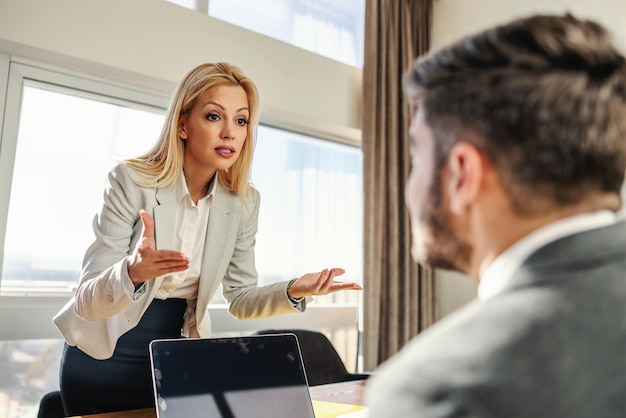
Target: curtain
399	294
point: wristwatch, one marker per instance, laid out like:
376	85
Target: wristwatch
291	298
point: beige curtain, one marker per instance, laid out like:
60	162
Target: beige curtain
399	295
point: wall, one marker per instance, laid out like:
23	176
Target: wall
453	19
153	43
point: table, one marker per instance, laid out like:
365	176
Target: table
344	392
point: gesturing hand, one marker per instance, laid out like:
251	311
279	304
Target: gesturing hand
320	283
146	262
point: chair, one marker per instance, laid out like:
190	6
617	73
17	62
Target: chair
51	406
322	363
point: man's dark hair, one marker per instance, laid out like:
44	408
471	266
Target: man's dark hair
543	97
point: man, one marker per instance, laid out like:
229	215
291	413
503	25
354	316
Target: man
518	150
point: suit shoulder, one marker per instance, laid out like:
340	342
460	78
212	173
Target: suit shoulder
123	173
253	195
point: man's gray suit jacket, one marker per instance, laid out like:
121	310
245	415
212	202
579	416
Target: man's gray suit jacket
551	345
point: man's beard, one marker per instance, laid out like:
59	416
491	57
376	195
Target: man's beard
435	244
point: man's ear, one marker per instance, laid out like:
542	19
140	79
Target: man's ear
465	168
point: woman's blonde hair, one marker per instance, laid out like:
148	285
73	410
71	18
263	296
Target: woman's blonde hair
162	165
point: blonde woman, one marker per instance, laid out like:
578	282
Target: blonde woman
175	224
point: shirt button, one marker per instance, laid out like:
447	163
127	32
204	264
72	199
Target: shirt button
110	298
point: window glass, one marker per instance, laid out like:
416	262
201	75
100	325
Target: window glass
311	207
333	28
66	144
310	216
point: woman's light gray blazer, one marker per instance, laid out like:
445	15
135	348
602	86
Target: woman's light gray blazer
106	305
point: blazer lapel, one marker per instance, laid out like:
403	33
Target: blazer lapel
165	220
223	221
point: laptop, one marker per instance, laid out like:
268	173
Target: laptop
259	376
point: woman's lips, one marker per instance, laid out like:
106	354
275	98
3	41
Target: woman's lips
225	152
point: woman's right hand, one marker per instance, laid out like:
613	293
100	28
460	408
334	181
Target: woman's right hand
146	262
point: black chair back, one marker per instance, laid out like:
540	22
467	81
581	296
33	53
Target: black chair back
322	363
51	406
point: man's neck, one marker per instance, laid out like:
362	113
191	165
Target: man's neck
495	233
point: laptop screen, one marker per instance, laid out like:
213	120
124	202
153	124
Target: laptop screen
253	376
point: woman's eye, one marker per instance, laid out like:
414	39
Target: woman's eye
212	116
242	121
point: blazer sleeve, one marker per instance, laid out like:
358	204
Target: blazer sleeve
105	288
240	284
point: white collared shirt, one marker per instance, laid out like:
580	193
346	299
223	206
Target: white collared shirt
501	270
190	235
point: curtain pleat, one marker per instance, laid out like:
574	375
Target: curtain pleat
399	295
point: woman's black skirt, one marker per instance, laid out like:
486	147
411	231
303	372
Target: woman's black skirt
124	381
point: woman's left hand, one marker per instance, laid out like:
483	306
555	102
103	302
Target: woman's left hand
320	283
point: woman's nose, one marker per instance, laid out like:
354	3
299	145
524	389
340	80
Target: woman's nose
228	132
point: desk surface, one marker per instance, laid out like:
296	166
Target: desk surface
344	392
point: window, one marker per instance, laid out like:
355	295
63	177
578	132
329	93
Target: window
333	28
68	138
311	207
66	143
